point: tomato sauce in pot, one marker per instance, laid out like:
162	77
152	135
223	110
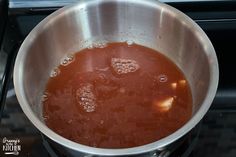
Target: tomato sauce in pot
116	95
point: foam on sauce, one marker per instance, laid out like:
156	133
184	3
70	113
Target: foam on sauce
116	96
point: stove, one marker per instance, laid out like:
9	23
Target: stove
214	136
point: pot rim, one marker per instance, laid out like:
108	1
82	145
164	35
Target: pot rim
160	144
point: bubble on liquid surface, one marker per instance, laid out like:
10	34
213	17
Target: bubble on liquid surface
86	98
90	46
124	66
101	44
129	42
55	72
162	78
67	60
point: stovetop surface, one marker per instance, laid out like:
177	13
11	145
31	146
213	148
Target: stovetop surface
218	131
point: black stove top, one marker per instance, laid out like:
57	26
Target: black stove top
217	18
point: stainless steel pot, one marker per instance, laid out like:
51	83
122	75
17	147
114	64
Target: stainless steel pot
146	22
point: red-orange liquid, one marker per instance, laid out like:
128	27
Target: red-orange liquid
118	96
